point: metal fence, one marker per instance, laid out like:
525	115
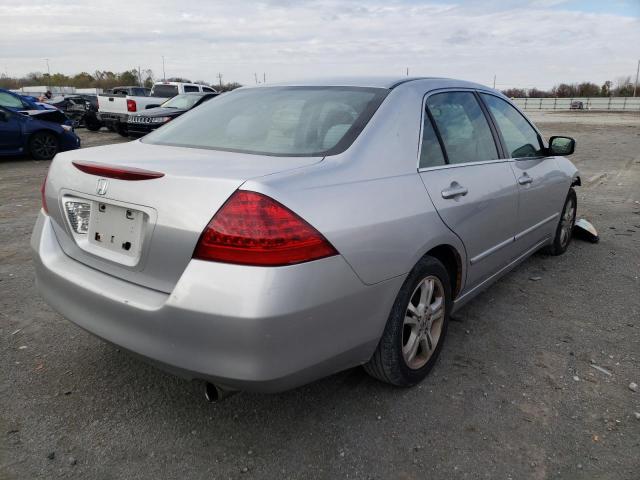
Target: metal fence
588	103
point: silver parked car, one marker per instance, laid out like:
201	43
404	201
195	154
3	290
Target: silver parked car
284	233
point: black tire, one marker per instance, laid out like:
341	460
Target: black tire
93	125
388	363
563	235
43	145
122	130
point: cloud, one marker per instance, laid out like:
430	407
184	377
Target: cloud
289	39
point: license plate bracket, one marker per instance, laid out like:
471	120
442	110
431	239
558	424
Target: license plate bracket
116	229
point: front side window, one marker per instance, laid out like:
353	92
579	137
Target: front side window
463	127
519	136
9	101
285	121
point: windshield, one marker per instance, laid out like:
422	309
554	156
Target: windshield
166	91
285	121
184	101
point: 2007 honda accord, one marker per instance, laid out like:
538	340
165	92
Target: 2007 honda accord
283	233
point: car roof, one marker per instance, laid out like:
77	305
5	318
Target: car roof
387	82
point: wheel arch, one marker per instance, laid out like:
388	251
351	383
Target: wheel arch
452	260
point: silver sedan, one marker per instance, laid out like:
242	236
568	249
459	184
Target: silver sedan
282	233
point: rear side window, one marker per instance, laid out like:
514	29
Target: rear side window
283	121
430	151
191	89
519	136
166	91
207	89
463	127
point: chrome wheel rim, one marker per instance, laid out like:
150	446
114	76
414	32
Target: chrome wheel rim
45	146
423	322
566	222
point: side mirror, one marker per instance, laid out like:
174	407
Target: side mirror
4	116
561	146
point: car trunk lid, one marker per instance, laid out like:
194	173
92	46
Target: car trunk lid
145	230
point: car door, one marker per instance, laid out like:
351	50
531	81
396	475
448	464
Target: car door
10	131
472	187
541	184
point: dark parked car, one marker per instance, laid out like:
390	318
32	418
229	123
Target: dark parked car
22	134
152	118
82	109
576	105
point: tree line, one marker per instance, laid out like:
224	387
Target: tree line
99	79
623	87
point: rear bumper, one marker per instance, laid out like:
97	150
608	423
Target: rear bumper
250	328
113	119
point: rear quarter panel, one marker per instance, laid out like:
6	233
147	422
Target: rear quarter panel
369	201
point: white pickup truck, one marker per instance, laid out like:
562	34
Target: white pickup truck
114	108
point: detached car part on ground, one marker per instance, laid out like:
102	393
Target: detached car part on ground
34	134
283	233
145	122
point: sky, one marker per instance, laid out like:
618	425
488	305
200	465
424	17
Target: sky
524	43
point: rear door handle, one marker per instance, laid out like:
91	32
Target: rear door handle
454	190
525	179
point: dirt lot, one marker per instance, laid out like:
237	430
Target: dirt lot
516	393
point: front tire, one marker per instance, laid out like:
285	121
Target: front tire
43	145
564	230
416	327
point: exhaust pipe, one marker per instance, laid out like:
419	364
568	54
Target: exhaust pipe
216	393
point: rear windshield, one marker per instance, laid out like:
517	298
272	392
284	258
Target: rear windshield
284	121
166	91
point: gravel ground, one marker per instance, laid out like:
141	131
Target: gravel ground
532	383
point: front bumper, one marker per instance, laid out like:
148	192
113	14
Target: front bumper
141	129
249	328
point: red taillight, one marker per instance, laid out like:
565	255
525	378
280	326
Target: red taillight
131	105
115	171
43	193
253	229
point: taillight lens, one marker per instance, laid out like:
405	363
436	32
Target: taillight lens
253	229
43	193
131	105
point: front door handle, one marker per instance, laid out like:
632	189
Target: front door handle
454	190
525	179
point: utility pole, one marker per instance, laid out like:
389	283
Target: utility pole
494	82
140	76
635	85
407	71
255	75
164	75
264	77
220	79
48	74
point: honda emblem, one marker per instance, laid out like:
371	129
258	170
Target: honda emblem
101	189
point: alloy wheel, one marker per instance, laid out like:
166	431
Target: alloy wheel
423	322
44	146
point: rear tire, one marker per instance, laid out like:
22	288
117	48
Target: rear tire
416	327
43	145
564	230
93	125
